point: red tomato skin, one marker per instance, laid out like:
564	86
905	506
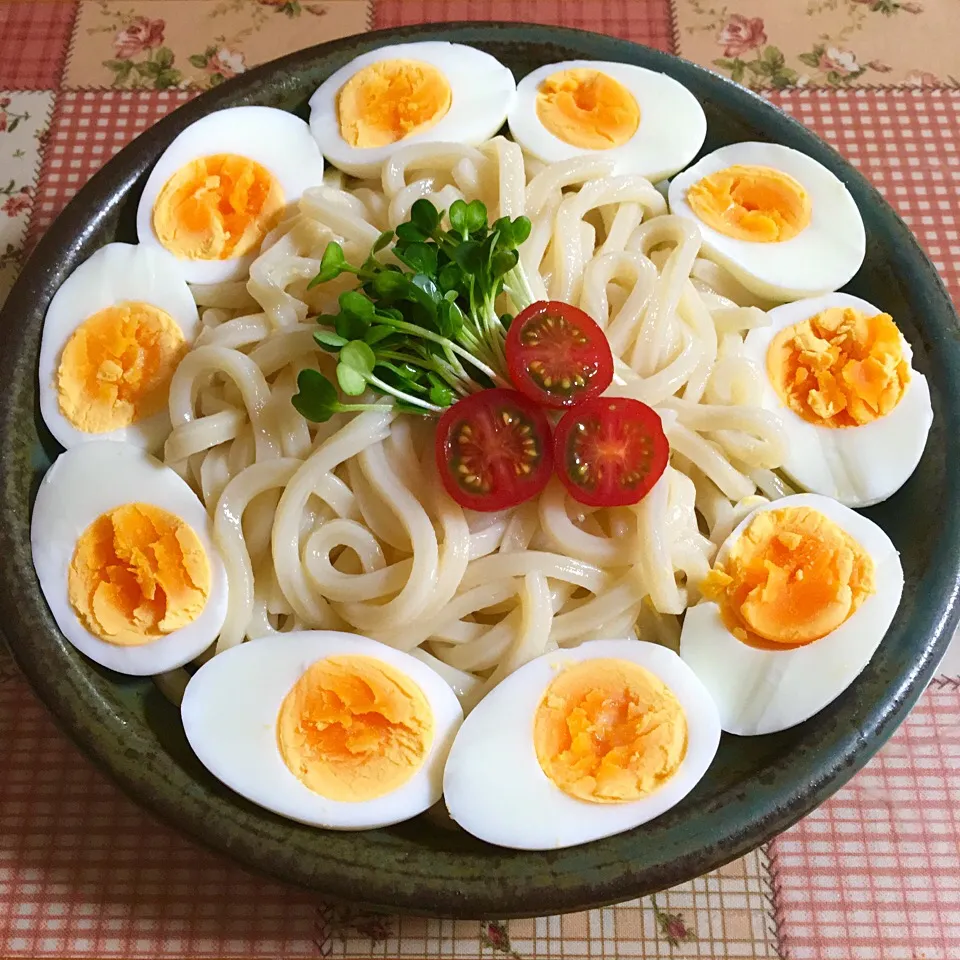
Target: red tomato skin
483	411
592	358
635	423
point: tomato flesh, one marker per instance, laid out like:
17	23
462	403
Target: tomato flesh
494	450
557	355
610	451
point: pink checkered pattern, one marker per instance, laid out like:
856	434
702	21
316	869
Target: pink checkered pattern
643	22
874	873
87	129
35	36
906	142
84	872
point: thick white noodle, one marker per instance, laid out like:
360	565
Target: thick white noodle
345	524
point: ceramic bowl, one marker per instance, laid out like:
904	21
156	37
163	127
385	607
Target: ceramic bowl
755	788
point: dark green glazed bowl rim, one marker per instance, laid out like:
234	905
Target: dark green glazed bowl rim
422	870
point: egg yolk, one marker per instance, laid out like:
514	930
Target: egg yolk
217	207
840	368
587	109
609	731
116	367
137	574
391	100
353	728
753	203
792	577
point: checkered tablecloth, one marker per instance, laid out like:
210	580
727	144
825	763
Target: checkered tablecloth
873	874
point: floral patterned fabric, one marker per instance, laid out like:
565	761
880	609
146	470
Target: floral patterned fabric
822	43
872	874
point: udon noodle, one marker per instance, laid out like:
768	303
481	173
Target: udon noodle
345	524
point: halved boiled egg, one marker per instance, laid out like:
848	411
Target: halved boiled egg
645	122
125	557
112	338
856	413
799	598
780	222
221	185
326	728
429	92
585	743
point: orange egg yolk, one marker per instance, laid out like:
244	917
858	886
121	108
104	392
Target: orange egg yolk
587	109
217	207
391	100
609	731
353	728
116	367
840	368
759	204
792	577
137	574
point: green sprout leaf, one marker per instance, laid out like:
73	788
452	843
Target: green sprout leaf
358	356
422	330
502	262
402	376
440	392
521	230
469	256
458	217
357	305
329	340
425	216
390	313
378	334
420	257
425	290
449	319
317	398
382	241
410	233
512	232
332	264
389	285
351	382
449	278
350	327
476	217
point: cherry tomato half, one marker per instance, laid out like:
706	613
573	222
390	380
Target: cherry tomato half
557	355
494	450
610	451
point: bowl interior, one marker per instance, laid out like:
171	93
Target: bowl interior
755	787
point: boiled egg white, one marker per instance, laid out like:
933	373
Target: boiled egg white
409	93
325	728
799	568
624	728
112	338
124	553
778	220
222	184
643	121
859	458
